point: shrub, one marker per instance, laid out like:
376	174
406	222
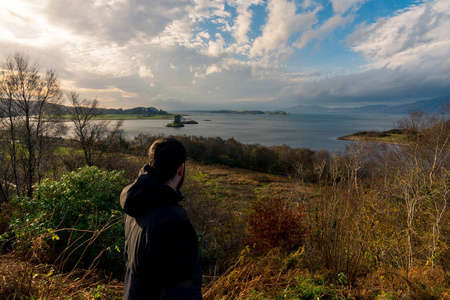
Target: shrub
75	221
274	223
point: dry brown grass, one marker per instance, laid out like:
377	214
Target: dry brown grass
419	283
249	273
24	280
276	275
246	185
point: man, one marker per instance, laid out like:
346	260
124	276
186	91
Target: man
161	251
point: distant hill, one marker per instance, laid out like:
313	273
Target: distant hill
144	111
134	111
241	112
431	106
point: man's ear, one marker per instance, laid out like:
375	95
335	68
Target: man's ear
180	170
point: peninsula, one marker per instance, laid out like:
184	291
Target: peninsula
395	136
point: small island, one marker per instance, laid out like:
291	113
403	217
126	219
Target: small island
190	122
277	113
177	122
174	125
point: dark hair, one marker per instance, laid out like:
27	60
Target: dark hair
164	157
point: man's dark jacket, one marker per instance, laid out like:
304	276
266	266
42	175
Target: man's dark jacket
161	251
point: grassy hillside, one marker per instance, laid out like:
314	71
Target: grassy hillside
219	199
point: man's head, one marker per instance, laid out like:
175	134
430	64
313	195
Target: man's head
165	157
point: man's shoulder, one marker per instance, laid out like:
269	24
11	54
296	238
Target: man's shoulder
171	213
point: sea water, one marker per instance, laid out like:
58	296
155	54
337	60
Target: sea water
314	131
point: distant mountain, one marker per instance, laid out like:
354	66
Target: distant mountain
431	106
308	109
239	112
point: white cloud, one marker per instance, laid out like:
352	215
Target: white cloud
334	22
204	35
342	6
213	69
418	36
216	48
178	32
113	21
106	93
282	23
307	3
326	28
243	20
307	36
223	24
145	72
205	9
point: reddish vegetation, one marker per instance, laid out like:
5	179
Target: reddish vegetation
275	223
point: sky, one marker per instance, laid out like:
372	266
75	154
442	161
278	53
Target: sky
236	54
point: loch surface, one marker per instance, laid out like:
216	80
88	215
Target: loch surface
314	131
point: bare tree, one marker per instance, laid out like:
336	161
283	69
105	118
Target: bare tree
95	137
29	105
422	182
6	180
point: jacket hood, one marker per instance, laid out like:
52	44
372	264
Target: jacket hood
146	193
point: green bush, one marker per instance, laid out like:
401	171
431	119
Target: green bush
75	221
309	288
